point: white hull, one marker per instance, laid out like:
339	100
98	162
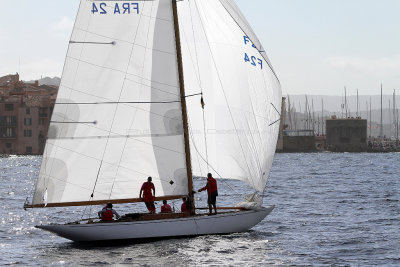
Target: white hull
223	223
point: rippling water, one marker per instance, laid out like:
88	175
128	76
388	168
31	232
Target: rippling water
331	210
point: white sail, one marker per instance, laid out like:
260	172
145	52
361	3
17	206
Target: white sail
223	58
120	53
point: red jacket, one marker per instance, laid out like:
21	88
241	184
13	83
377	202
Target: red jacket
107	215
166	208
183	207
147	194
211	186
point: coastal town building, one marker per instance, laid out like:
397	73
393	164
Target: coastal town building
346	135
299	141
25	112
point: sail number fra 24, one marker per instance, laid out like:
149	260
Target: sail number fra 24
252	59
116	8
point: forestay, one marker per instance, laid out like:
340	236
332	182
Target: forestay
105	136
223	58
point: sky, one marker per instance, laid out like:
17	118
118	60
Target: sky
316	46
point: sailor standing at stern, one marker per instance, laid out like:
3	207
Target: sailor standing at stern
148	195
212	191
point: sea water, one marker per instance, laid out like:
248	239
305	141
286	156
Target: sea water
331	210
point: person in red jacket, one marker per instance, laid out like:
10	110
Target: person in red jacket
107	213
149	192
183	206
212	191
166	208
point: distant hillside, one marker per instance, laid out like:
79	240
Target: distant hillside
48	81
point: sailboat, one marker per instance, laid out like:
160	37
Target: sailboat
163	88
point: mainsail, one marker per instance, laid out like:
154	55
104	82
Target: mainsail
236	137
118	115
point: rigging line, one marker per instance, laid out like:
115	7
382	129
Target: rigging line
208	164
205	137
253	151
253	88
266	85
278	113
198	76
152	87
91	196
145	110
77	122
109	134
64	67
274	122
126	71
123	0
116	70
276	109
189	52
122	102
126	102
76	71
226	99
141	141
113	136
195	48
200	84
191	135
195	62
82	42
99	192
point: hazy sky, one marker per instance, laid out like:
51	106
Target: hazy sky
315	46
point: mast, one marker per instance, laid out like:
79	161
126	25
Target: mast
357	105
395	118
342	106
394	110
306	115
183	104
322	108
381	129
313	116
366	105
397	127
290	113
390	120
345	100
370	117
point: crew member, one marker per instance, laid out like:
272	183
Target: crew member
212	191
107	213
149	193
183	206
166	208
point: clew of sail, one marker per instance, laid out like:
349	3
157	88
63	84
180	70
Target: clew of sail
222	57
118	117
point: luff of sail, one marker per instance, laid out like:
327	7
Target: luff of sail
119	67
224	59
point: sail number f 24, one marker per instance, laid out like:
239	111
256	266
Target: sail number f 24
116	8
249	58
